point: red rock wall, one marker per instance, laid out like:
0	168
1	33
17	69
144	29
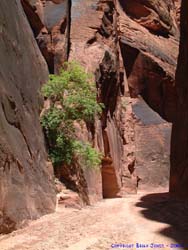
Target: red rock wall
148	33
150	58
179	149
132	48
96	47
50	22
26	184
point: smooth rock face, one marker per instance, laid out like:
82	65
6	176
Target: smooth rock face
152	149
26	187
146	147
179	149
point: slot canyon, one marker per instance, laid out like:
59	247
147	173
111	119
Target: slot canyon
136	53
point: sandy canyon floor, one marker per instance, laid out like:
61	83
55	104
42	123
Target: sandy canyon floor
153	220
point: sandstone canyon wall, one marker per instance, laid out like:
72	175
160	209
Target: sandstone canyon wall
92	36
179	149
50	22
96	47
26	185
149	37
132	48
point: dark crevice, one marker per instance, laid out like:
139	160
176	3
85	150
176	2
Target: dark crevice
32	17
129	56
91	41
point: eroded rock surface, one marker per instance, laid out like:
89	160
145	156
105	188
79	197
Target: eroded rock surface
26	187
149	39
131	47
51	26
149	57
157	16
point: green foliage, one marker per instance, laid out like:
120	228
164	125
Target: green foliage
75	91
60	134
88	156
73	97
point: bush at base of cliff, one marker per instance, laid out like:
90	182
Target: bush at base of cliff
72	96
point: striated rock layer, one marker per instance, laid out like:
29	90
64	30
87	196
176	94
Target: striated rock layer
26	187
150	57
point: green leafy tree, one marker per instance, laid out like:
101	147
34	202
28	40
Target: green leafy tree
72	95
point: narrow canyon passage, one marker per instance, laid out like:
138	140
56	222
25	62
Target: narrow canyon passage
104	128
144	218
